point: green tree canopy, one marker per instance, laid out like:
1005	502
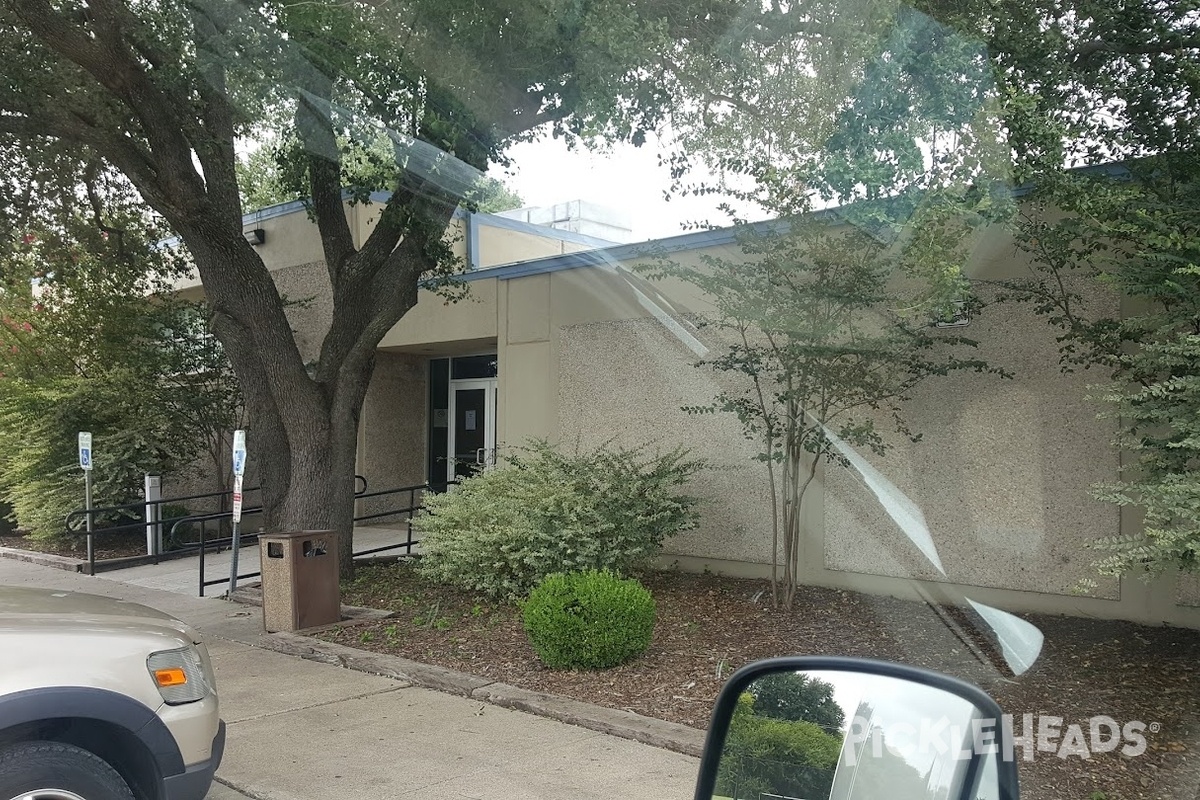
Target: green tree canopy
795	696
792	758
414	99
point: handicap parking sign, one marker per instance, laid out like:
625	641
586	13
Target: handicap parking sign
239	452
85	450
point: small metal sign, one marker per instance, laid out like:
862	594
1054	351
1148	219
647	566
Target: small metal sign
239	452
85	450
237	498
239	469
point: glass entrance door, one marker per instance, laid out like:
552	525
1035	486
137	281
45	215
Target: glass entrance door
472	427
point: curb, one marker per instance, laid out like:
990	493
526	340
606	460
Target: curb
350	615
80	565
43	559
625	724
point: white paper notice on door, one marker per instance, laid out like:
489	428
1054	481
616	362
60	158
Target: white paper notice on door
470	421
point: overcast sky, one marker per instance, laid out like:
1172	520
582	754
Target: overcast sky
629	179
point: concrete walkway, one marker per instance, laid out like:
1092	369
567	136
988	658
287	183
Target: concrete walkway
181	575
300	729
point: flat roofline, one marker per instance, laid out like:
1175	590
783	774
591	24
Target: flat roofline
606	252
284	209
716	237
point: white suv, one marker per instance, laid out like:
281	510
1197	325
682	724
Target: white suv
103	700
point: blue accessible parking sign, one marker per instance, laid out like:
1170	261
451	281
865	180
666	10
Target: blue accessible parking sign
85	450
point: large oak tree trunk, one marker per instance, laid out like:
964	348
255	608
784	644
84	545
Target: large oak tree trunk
175	142
307	465
302	432
308	480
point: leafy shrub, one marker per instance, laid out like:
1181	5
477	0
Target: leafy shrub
93	351
39	469
504	530
780	757
588	620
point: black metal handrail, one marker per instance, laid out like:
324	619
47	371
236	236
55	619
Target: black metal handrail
140	524
225	540
82	513
411	510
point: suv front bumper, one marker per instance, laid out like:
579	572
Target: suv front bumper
194	782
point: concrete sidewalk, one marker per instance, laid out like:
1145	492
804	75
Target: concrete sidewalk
181	575
302	730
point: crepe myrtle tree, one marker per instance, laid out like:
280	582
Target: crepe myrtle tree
820	349
873	100
823	323
414	98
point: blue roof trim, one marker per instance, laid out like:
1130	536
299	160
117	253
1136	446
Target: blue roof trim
606	252
545	231
628	252
707	238
252	218
625	252
270	212
1110	170
292	206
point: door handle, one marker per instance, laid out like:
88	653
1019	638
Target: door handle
479	456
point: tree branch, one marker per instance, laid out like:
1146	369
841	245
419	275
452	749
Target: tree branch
315	126
103	54
1087	52
683	77
116	19
89	177
215	144
121	151
372	299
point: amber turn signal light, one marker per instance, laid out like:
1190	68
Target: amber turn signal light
172	676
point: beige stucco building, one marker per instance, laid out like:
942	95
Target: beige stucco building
563	339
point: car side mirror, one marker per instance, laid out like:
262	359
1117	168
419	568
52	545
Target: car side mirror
816	728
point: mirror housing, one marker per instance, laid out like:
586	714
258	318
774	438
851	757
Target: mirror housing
835	728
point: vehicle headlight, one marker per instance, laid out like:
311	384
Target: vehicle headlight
179	675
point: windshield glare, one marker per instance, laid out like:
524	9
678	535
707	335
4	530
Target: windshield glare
874	326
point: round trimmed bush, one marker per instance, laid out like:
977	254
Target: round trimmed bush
588	620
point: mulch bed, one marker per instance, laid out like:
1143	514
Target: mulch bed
709	626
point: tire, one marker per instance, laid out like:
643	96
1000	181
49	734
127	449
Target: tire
56	771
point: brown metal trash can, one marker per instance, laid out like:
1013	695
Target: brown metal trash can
299	580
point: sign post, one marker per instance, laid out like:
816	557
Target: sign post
154	532
85	463
239	469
